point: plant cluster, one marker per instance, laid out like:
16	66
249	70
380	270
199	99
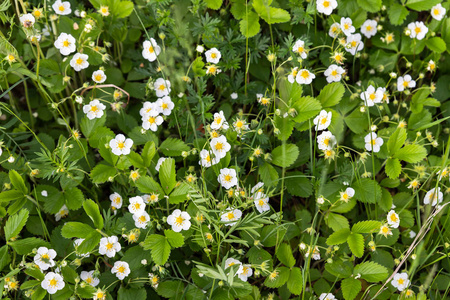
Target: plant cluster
210	149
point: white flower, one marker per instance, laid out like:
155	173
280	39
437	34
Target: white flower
213	56
347	26
258	188
63	212
52	282
315	253
44	193
151	122
240	125
347	194
400	281
206	160
141	220
244	272
299	47
369	28
151	50
293	75
373	143
432	197
219	121
35	38
149	109
418	30
354	43
79	62
77	243
412	234
326	140
121	145
121	269
94	109
431	66
162	87
159	163
227	178
231	262
89	278
438	12
213	70
104	10
230	216
44	258
165	105
234	96
179	220
385	230
261	202
109	246
372	96
404	82
116	200
136	205
335	29
320	200
334	73
393	219
99	76
11	159
327	296
304	77
385	94
323	120
220	146
62	8
65	43
27	20
326	6
200	49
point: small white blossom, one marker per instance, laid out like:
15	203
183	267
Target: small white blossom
162	87
334	73
62	8
116	200
372	96
244	272
121	269
299	48
213	56
141	219
326	6
27	20
354	43
404	82
44	258
230	216
89	278
227	178
219	121
220	146
137	205
400	281
179	220
94	109
159	163
63	212
52	282
65	43
99	76
79	62
109	246
261	202
121	145
369	28
304	77
393	219
347	26
165	105
433	197
323	120
438	12
373	143
417	30
151	50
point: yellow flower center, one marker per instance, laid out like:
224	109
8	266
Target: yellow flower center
53	282
300	49
121	269
261	202
142	219
326	3
151	120
230	216
79	61
394	218
165	106
239	124
346	26
244	270
61	8
401	281
326	141
98	77
345	196
436	11
179	220
89	280
218	120
137	206
121	145
162	87
151	50
368	28
228	178
45	256
353	43
323	120
117	200
66	43
334	73
213	55
219	146
385	229
405	83
109	246
418	30
305	74
372	96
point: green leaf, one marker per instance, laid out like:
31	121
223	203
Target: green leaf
397	13
134	255
366	226
271	15
15	224
284	254
124	9
102	172
339	268
393	168
159	246
175	239
421	5
356	244
92	210
88	126
295	281
148	185
90	242
26	246
148	153
338	237
76	229
336	222
131	294
198	67
307	108
331	94
74	198
167	175
367	190
214	4
350	288
136	160
371	271
17	181
436	44
285	155
370	5
412	153
386	200
170	289
249	25
12	195
357	121
268	174
286	127
5	258
396	140
173	147
281	278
